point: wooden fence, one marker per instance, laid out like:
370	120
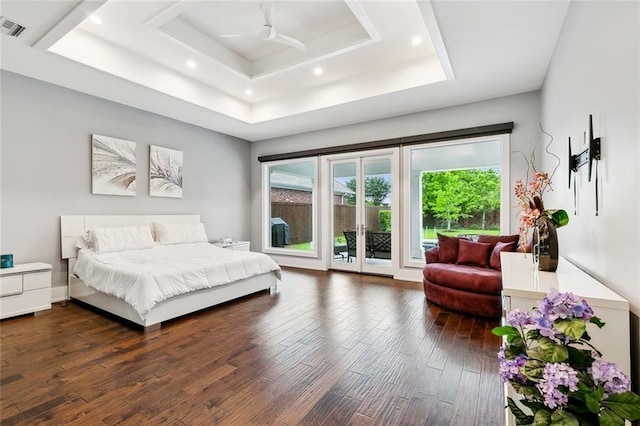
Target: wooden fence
299	218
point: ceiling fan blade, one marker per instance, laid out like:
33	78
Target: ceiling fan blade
279	38
267	10
238	35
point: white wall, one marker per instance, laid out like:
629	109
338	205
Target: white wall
595	70
522	109
46	168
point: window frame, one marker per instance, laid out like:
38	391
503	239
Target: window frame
266	210
505	184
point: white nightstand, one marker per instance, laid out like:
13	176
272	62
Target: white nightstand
25	289
236	245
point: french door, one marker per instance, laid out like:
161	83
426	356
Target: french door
362	219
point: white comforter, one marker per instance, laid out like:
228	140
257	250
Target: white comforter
145	277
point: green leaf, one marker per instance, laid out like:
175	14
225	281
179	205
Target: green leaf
626	405
542	418
534	369
551	351
579	359
534	406
592	399
505	330
609	418
515	340
560	217
521	417
574	328
597	321
563	418
512	351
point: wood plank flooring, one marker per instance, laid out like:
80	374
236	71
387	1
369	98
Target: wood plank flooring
328	348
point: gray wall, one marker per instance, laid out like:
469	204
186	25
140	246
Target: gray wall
522	109
46	168
595	70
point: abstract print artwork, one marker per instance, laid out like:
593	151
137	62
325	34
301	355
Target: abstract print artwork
165	172
113	166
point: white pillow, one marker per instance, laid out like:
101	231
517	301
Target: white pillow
106	240
180	234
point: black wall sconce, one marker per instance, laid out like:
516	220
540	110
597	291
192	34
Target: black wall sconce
590	153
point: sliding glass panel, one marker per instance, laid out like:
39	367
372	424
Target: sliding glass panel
377	216
292	197
454	189
344	212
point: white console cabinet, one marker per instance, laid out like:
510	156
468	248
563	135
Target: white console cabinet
25	289
523	286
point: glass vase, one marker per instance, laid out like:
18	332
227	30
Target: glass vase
545	244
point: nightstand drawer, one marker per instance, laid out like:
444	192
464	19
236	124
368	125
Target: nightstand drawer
37	280
11	284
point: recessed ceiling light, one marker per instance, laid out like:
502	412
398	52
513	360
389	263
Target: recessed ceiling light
416	41
318	71
96	19
191	64
248	92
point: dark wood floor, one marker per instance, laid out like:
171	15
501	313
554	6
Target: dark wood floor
329	348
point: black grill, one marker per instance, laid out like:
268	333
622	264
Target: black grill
279	232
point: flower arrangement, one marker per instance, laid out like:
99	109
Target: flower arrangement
530	200
547	358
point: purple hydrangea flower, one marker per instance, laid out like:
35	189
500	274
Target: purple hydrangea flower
510	369
615	381
554	376
518	318
557	305
583	310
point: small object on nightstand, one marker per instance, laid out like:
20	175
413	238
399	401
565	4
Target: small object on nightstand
234	245
6	261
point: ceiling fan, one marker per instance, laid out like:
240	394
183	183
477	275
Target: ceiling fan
268	33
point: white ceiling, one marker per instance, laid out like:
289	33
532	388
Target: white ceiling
470	51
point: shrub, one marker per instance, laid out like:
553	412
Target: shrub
384	217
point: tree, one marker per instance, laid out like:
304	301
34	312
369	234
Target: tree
485	193
454	194
443	195
376	189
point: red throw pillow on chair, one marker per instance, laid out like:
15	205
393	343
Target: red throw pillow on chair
471	253
448	249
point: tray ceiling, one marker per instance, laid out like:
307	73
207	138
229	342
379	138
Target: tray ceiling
362	59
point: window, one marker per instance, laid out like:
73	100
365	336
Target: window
290	207
454	188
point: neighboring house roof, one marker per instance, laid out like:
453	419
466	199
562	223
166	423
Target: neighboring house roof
302	183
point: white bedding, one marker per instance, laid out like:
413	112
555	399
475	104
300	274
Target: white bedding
145	277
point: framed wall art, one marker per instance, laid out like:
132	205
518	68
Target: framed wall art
165	172
113	166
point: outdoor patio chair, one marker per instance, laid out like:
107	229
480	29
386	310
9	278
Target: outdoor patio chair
350	237
380	244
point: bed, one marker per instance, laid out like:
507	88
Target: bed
141	269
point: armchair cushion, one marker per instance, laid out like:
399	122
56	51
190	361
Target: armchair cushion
432	255
470	253
493	239
448	252
494	261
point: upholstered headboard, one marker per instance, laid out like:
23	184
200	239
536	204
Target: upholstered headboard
73	227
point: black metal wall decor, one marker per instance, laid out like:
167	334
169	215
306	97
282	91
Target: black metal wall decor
590	153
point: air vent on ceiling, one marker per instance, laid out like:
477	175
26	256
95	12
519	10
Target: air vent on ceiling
7	26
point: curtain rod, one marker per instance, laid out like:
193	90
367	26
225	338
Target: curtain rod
469	132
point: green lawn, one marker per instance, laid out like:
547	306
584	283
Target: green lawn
429	234
432	234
